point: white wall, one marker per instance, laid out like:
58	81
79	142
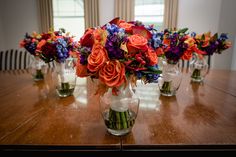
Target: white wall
233	64
1	29
215	16
199	16
18	17
227	24
106	11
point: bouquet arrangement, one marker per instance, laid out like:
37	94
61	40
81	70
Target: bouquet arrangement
56	45
30	43
50	46
209	45
212	44
60	46
53	45
118	54
177	44
119	51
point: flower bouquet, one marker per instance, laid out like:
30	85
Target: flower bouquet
59	46
176	44
118	54
208	45
30	43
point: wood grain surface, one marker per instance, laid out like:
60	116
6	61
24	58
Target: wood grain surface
31	114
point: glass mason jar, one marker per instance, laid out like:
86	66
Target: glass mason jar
198	68
37	68
170	79
119	112
66	77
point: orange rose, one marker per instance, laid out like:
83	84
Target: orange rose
126	26
159	51
81	70
187	55
22	43
206	42
113	73
97	58
152	57
100	36
227	45
87	38
190	42
41	43
137	42
166	41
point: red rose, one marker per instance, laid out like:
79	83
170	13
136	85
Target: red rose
46	36
48	50
87	39
81	70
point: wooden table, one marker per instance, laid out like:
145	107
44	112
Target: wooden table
32	116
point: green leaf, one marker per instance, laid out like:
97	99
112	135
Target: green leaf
183	30
203	37
154	69
127	74
62	30
152	72
215	37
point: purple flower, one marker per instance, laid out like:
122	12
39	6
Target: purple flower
84	53
114	39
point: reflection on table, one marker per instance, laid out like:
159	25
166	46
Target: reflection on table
199	115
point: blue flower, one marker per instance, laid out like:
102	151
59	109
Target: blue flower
193	34
223	36
114	39
156	40
139	75
62	42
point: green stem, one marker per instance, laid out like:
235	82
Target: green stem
127	117
39	74
65	89
118	120
196	74
166	87
123	119
65	86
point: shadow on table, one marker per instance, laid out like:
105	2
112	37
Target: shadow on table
198	112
